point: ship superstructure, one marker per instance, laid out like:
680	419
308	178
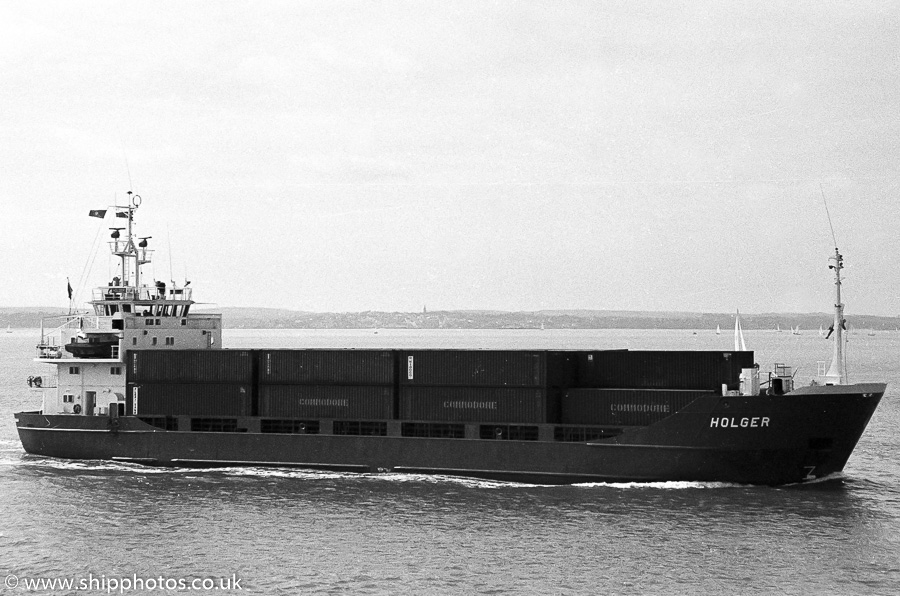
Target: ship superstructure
87	352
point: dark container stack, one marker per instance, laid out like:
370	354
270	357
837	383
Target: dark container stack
326	401
614	387
473	404
326	367
624	407
473	385
622	369
191	399
346	384
190	382
473	368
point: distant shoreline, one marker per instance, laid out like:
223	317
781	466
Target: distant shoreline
269	318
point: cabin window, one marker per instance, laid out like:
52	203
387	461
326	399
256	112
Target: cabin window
362	428
68	398
126	308
170	341
433	429
163	422
153	341
509	432
577	434
183	322
134	341
148	321
157	321
294	427
74	370
115	370
215	425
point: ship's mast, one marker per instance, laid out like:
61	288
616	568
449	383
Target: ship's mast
137	262
837	373
128	248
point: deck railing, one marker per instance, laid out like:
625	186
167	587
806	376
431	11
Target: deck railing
130	293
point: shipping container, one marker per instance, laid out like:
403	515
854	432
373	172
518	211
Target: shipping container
190	366
624	407
562	368
479	368
619	369
326	401
473	404
346	367
189	399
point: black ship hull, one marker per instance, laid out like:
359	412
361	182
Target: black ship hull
764	439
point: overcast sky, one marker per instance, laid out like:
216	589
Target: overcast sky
349	156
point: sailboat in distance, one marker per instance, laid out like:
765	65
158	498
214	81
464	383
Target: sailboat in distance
739	344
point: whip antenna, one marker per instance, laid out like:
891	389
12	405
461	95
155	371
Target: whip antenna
171	275
125	157
833	237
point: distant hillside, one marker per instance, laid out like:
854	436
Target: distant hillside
27	317
278	318
248	318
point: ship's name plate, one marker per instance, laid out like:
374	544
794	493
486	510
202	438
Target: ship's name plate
752	422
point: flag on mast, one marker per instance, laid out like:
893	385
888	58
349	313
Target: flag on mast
69	285
101	213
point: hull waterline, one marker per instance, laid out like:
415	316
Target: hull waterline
756	440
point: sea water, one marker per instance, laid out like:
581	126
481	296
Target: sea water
125	529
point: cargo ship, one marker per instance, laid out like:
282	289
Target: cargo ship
144	379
